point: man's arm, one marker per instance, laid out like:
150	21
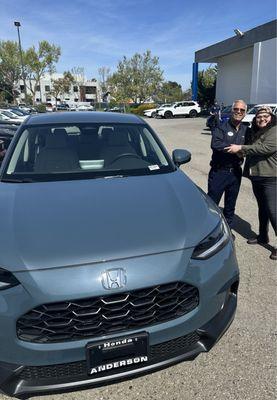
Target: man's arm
218	140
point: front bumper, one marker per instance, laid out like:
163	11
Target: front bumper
24	381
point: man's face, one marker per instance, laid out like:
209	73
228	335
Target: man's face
238	111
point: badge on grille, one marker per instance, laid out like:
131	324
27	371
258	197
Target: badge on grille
115	278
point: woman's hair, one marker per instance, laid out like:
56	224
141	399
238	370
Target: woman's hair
256	132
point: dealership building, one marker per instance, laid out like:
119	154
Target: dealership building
246	65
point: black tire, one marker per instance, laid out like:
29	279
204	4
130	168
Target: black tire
193	113
153	115
168	114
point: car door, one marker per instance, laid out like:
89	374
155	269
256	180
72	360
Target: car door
178	109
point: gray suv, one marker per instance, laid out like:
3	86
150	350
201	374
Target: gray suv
112	262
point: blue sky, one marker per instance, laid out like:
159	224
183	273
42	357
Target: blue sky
99	33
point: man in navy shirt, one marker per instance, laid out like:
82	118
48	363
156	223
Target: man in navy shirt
225	174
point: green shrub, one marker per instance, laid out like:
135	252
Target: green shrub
142	107
41	108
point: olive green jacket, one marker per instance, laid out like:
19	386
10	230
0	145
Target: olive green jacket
261	156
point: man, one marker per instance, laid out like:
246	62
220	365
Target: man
215	115
225	174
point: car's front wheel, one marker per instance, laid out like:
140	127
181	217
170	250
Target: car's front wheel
153	114
193	113
168	114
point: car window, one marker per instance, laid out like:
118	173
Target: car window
86	151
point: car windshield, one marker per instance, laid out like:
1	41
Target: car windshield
255	109
8	114
85	151
227	109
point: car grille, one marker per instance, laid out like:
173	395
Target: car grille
105	315
157	353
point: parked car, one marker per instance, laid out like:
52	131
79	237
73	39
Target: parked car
117	109
7	132
152	112
180	108
62	107
113	262
7	115
251	113
85	107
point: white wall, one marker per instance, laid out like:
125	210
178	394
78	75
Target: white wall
263	88
234	77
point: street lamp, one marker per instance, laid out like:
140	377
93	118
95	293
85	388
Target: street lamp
17	24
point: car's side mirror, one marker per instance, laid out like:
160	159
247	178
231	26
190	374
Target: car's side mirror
181	156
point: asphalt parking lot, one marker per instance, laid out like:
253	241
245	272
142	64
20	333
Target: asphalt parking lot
243	364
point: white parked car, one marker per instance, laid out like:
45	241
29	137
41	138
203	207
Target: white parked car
10	116
85	107
180	108
251	113
153	111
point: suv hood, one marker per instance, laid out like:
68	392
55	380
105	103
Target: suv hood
54	224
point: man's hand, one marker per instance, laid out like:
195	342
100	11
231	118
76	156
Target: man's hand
233	149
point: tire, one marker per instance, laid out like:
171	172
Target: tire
168	114
153	115
193	113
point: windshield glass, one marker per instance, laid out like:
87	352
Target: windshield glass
8	114
85	151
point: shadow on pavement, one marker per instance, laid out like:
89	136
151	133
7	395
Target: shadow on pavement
244	229
207	131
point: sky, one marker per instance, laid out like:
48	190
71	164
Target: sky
97	33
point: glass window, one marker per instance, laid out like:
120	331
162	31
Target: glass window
85	151
47	88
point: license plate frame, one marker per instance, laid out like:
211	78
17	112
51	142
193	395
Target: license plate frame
119	353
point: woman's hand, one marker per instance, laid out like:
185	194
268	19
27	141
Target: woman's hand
234	148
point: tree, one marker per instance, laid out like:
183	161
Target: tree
79	78
207	86
62	85
39	62
10	68
104	76
170	91
137	78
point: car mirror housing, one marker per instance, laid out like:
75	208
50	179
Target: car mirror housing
181	156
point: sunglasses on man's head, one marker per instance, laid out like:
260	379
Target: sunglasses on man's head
239	109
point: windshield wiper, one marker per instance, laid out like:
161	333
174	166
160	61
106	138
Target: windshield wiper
14	180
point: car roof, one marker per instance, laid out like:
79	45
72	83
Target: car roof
76	117
266	104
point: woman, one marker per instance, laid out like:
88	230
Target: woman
260	167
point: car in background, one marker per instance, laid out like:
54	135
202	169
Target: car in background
180	108
113	262
252	112
18	114
62	107
117	109
7	132
9	116
152	112
85	107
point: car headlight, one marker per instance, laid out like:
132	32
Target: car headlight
212	243
7	279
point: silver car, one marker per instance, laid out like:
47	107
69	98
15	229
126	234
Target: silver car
112	262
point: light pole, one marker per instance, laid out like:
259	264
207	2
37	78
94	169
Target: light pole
17	24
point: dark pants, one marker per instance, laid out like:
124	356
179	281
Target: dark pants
265	192
228	182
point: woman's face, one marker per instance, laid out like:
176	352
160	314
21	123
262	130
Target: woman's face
263	119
